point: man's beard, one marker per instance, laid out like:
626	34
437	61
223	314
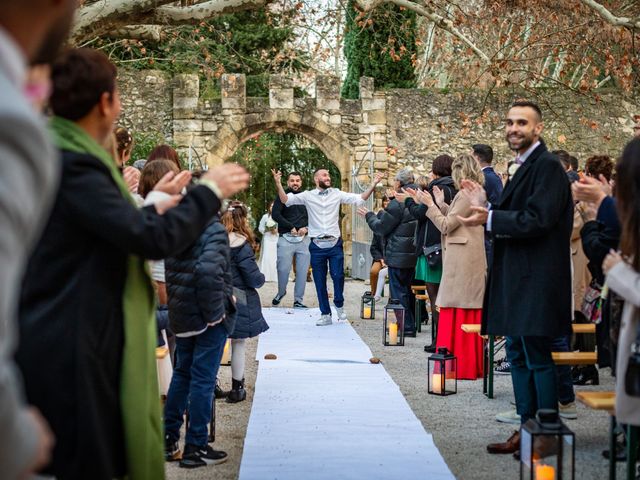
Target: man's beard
324	185
525	143
294	188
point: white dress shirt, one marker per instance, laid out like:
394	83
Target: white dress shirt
323	209
520	159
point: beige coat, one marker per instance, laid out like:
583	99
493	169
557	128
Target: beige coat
625	281
464	263
581	275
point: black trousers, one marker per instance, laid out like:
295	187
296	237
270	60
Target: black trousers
533	374
400	289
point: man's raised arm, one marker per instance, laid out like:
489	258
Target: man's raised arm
376	180
277	176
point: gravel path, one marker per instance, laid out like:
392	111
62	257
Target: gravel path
461	424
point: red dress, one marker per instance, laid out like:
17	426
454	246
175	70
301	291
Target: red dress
467	347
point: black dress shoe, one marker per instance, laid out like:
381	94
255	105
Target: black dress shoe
410	333
588	376
430	348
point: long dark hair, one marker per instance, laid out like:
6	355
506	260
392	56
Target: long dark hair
236	219
628	200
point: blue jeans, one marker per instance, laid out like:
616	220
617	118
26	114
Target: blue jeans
563	372
194	378
533	374
334	256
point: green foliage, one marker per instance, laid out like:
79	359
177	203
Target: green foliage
286	152
254	42
381	45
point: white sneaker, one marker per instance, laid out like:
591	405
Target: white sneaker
324	320
341	313
510	416
568	411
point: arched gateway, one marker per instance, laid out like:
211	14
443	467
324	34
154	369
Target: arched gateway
351	133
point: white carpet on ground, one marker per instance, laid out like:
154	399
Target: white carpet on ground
322	411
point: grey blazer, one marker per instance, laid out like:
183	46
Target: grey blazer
29	173
625	281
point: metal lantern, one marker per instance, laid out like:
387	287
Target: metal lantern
226	353
393	332
547	448
368	306
443	373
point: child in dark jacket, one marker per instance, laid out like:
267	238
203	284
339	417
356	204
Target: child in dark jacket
201	314
246	278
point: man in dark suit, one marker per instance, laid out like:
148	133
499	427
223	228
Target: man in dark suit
528	295
492	185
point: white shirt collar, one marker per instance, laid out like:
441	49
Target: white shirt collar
12	59
525	155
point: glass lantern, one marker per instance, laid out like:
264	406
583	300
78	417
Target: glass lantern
368	306
226	353
443	373
393	332
547	448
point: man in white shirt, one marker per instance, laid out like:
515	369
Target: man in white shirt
323	208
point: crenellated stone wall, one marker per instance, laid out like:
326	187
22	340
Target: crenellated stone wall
383	130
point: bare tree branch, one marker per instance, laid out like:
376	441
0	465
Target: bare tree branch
609	17
440	21
105	16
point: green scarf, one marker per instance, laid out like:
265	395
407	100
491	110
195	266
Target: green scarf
139	395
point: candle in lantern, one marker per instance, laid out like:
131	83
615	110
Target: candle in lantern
226	353
366	312
545	472
393	333
436	382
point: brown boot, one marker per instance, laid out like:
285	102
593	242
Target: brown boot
510	446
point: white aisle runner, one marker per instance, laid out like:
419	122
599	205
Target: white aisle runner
322	411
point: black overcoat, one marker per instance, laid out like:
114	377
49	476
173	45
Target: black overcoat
71	317
529	284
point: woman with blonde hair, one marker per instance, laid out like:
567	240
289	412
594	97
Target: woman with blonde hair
246	279
464	268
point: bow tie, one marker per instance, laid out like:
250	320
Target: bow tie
323	192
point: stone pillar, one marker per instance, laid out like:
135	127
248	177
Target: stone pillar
186	93
327	92
280	92
234	92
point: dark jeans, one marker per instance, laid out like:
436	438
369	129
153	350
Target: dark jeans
334	257
563	372
194	378
533	374
400	280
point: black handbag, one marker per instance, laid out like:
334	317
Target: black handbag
432	253
632	375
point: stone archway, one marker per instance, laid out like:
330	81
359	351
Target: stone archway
351	133
316	131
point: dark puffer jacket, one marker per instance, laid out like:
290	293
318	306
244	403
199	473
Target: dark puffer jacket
398	227
246	278
199	283
377	244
